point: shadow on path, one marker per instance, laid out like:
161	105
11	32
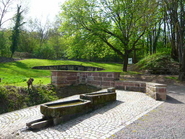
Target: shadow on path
173	100
68	124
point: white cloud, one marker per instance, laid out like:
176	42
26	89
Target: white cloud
43	9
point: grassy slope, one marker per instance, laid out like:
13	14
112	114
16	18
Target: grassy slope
16	73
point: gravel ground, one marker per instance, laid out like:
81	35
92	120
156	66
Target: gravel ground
165	122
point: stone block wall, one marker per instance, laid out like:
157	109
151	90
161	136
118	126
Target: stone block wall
64	78
68	67
131	85
156	91
105	80
99	79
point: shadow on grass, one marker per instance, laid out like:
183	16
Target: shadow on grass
15	63
21	65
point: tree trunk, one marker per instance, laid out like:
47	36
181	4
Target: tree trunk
182	76
182	68
174	51
12	55
134	57
125	61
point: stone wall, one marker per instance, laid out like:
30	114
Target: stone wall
68	67
105	80
131	85
156	91
99	79
64	78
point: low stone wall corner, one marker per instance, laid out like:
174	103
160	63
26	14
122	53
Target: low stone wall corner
156	91
106	80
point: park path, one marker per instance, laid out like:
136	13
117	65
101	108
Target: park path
164	122
99	124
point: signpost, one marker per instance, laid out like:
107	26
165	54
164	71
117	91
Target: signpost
129	60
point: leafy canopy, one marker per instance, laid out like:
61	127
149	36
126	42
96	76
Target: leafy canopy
119	24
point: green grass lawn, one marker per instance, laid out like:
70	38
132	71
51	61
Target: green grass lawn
17	73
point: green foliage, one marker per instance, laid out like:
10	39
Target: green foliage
3	93
118	25
82	48
3	99
41	94
172	78
16	98
28	41
16	31
4	48
45	52
13	98
158	60
103	30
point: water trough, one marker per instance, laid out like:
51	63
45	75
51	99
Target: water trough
59	112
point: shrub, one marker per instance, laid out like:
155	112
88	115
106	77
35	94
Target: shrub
158	60
3	99
41	94
44	52
13	98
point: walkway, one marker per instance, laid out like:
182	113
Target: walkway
100	124
165	122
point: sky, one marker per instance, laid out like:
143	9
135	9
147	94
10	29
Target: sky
43	10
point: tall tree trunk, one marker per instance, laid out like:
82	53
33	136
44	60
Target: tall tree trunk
182	68
134	56
125	61
174	50
16	31
165	33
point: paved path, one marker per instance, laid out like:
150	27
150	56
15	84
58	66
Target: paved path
100	124
165	122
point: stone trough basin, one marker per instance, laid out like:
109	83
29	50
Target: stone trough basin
99	99
59	112
66	108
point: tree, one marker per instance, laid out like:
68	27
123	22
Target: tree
55	42
16	31
41	30
176	15
120	24
4	6
2	43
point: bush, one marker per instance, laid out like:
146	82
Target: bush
3	99
41	94
3	93
45	52
158	60
13	98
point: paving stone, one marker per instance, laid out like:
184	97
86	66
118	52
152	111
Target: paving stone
164	122
101	123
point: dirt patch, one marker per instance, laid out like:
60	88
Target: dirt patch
5	59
